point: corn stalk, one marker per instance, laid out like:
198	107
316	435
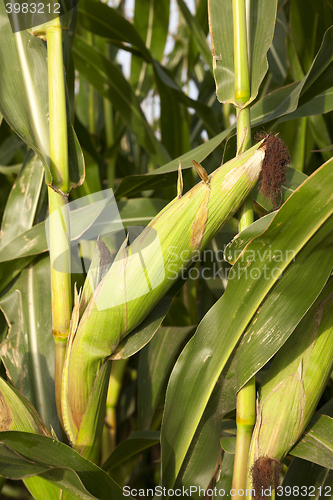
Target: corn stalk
245	406
59	235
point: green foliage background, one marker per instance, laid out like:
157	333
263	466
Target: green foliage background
136	154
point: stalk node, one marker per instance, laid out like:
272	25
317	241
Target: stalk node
58	191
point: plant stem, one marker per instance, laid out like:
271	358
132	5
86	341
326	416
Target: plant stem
109	131
245	406
110	427
92	128
242	78
59	222
57	108
245	215
226	114
245	420
300	144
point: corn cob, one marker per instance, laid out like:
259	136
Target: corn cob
142	272
289	396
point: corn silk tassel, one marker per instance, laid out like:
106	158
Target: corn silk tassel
141	274
290	394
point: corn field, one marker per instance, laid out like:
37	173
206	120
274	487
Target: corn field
166	249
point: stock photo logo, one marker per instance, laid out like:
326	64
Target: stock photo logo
30	15
139	259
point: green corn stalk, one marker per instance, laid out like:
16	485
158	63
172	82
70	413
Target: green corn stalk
245	406
291	391
139	277
57	193
110	426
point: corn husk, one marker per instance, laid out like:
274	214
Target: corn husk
294	384
142	272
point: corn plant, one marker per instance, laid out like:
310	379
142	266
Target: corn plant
166	293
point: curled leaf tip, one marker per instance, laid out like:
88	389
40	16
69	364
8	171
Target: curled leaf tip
180	180
201	172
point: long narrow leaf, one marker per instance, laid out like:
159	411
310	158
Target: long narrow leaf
290	298
22	203
261	16
109	81
28	350
23	455
222	327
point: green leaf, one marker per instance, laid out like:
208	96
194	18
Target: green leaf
9	270
262	111
318	79
303	28
109	81
138	441
75	157
250	357
24	87
107	22
17	413
228	439
288	313
197	33
24	97
143	333
86	141
88	436
316	443
9	147
203	453
10	169
22	203
154	365
295	378
261	29
308	477
23	455
151	19
28	350
167	175
321	136
277	54
209	349
224	484
41	489
139	211
202	110
172	120
32	242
